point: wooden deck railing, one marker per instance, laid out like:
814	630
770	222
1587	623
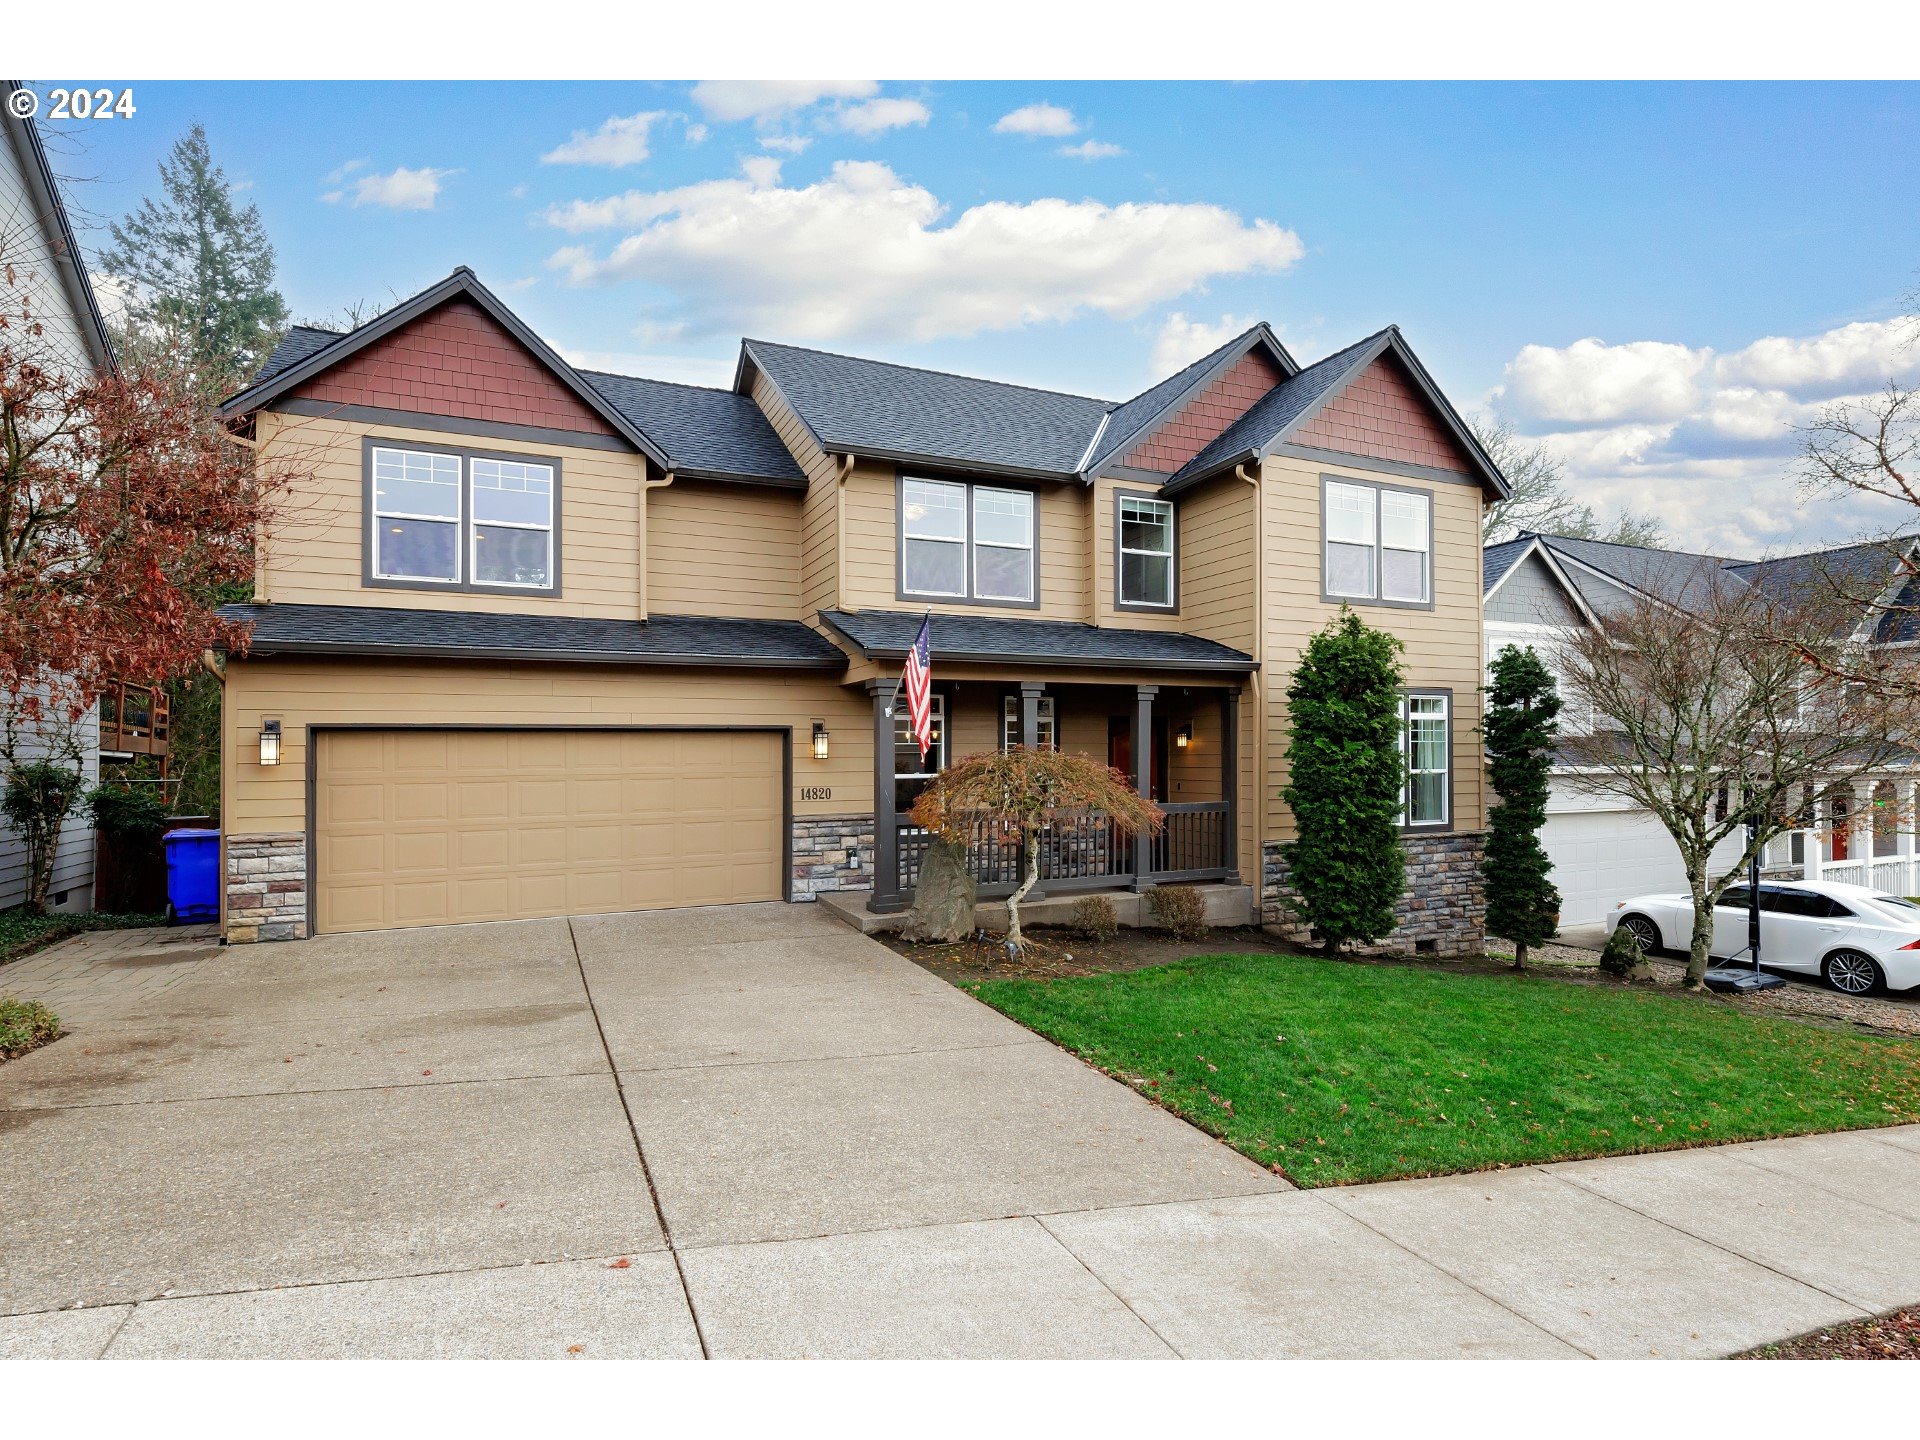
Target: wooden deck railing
1089	852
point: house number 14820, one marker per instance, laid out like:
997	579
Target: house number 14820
816	792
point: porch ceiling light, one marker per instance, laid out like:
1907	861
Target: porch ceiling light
270	743
1183	737
819	740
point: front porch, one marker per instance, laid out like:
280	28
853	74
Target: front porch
1178	744
1858	834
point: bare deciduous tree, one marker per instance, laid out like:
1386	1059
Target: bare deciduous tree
1538	498
1720	701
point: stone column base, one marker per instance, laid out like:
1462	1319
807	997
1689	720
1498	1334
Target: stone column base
266	888
1442	912
830	853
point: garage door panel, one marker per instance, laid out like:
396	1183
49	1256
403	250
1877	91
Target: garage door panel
450	827
1601	857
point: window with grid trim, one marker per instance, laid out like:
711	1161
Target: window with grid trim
1047	736
1425	744
1146	551
1378	543
460	520
960	541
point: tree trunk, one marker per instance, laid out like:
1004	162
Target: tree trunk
1014	938
942	897
1700	941
43	848
1519	955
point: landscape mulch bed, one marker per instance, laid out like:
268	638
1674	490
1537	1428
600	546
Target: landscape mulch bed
1890	1337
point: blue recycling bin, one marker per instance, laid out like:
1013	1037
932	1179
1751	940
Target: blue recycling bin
193	875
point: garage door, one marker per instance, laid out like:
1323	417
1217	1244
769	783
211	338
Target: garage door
448	827
1603	857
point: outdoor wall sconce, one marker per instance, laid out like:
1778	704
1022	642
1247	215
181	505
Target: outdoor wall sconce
270	743
819	740
1183	737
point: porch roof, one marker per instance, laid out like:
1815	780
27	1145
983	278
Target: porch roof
992	639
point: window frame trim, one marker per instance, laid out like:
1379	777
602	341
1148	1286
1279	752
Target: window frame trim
900	591
1146	607
1327	596
466	584
1408	694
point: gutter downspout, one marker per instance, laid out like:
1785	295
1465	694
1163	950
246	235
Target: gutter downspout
1257	684
647	487
840	531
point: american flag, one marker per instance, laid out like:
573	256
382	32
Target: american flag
919	683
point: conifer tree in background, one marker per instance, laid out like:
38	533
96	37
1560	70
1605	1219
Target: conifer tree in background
1347	866
195	272
195	267
1521	723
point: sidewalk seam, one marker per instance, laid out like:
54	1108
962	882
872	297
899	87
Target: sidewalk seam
1101	1281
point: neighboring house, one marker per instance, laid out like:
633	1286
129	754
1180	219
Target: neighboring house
1605	849
535	640
50	276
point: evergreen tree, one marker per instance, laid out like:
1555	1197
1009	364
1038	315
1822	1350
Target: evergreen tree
1522	719
1345	776
197	268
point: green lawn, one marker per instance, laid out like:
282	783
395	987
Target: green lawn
1339	1072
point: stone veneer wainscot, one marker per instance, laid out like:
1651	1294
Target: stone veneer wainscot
1442	912
832	852
266	888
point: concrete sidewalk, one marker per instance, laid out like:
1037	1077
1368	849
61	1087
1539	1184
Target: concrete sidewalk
752	1133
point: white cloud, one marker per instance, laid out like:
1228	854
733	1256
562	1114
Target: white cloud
1091	150
398	189
765	100
621	140
340	172
863	252
1182	341
786	144
879	115
682	369
1039	118
1707	443
696	133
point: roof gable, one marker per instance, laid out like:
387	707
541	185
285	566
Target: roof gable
1380	413
287	371
41	192
1172	442
1129	426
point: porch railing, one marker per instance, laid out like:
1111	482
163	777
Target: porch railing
134	719
1088	852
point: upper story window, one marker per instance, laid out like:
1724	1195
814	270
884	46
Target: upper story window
1378	543
458	520
967	542
1146	552
1426	745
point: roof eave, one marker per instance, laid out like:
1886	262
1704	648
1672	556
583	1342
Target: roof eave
515	652
1082	662
943	462
67	260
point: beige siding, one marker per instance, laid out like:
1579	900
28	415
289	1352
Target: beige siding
299	693
717	549
1443	645
312	550
820	510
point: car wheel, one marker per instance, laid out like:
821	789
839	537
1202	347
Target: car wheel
1645	933
1852	973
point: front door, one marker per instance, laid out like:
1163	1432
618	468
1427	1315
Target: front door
1120	753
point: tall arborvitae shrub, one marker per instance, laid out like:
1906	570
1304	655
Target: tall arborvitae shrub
1346	867
1522	719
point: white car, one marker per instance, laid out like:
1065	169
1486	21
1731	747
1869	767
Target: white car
1857	940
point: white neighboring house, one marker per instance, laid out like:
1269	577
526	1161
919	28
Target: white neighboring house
36	238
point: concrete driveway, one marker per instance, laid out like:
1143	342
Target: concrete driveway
751	1132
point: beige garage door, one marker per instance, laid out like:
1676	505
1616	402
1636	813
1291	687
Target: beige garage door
447	827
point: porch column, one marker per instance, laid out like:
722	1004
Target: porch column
1142	747
887	895
1862	824
1030	693
1230	777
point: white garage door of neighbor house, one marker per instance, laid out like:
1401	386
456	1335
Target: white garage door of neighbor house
445	827
1601	857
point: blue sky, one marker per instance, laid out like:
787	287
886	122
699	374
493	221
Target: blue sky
1597	263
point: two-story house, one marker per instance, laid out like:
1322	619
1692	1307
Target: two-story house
531	640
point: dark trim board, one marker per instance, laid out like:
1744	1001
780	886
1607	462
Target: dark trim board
785	732
450	424
1318	456
373	651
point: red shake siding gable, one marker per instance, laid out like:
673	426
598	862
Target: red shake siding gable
1382	415
455	360
1189	431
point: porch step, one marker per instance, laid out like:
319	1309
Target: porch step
1226	905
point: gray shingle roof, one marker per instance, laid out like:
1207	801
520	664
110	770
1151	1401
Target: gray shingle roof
1667	574
875	408
886	634
703	431
663	640
297	344
1497	560
1126	423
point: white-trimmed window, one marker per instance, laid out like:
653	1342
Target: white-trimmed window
910	773
1046	734
966	542
1426	745
1146	552
416	516
1378	543
512	523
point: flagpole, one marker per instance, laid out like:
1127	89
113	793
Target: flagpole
926	619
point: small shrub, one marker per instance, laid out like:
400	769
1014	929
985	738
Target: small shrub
1093	918
127	813
1180	909
1622	954
25	1025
